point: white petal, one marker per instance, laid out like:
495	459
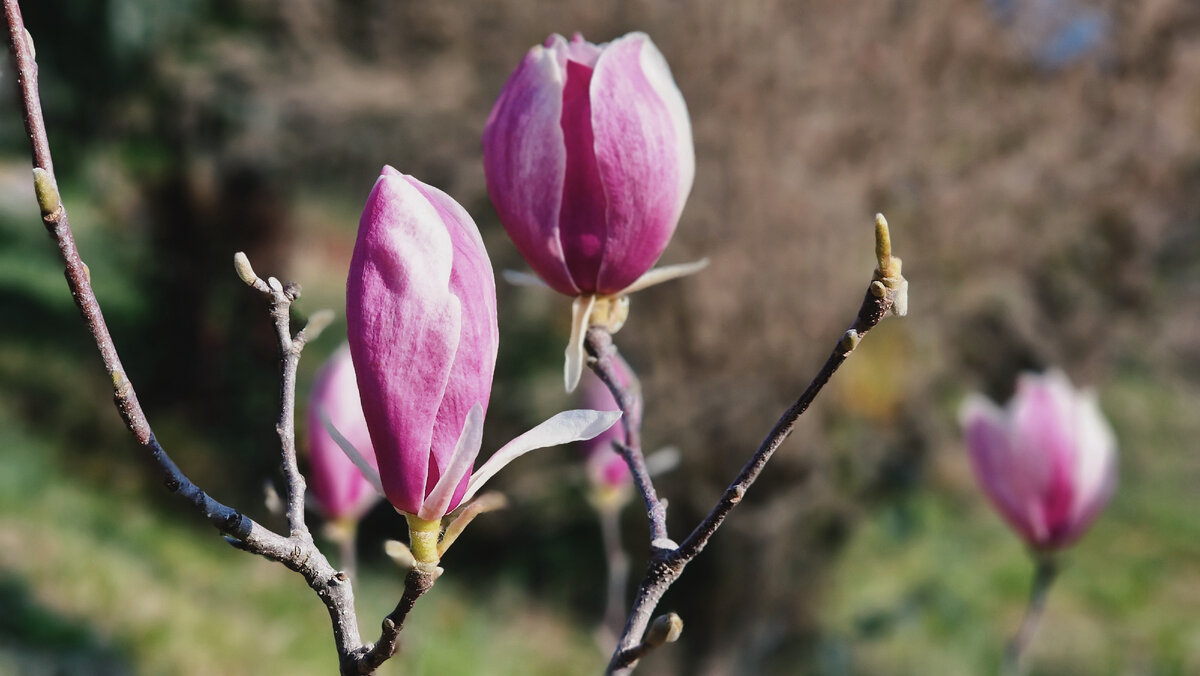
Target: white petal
663	460
437	503
581	314
665	274
369	472
658	73
518	278
568	426
1096	460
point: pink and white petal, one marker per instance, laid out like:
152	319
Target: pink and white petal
524	160
404	326
1096	464
458	467
989	448
644	156
563	428
654	64
473	283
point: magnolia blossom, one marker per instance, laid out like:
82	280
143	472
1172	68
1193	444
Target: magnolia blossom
588	158
421	319
1048	461
338	487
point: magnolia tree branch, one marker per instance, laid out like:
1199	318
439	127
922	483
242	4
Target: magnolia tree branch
887	294
603	353
297	551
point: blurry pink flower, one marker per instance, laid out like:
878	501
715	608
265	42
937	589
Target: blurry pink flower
1047	462
588	158
421	318
605	467
339	488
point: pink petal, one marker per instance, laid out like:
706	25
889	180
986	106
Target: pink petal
644	156
337	484
992	459
470	381
404	326
458	467
524	159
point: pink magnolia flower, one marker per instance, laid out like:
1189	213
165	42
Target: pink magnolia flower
605	467
339	488
588	158
421	318
1047	462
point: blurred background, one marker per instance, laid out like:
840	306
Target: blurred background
1039	162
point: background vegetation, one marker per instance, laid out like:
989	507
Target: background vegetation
1043	191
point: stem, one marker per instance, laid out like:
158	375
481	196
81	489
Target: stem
1044	573
666	565
600	347
417	582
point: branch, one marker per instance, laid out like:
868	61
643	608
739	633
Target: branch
887	294
297	552
603	352
419	580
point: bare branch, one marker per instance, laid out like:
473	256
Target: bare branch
419	580
297	552
603	353
885	295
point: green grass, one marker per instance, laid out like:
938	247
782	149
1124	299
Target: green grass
98	583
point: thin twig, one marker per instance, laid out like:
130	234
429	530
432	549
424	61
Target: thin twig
297	552
1044	572
603	353
665	567
419	580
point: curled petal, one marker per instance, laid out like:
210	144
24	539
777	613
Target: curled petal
438	501
563	428
581	315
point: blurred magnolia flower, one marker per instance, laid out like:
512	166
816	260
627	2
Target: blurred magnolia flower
588	158
340	490
421	318
1048	461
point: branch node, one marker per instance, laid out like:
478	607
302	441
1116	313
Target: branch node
665	629
48	198
665	544
245	271
850	340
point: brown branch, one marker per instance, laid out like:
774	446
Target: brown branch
886	293
297	552
600	347
419	580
